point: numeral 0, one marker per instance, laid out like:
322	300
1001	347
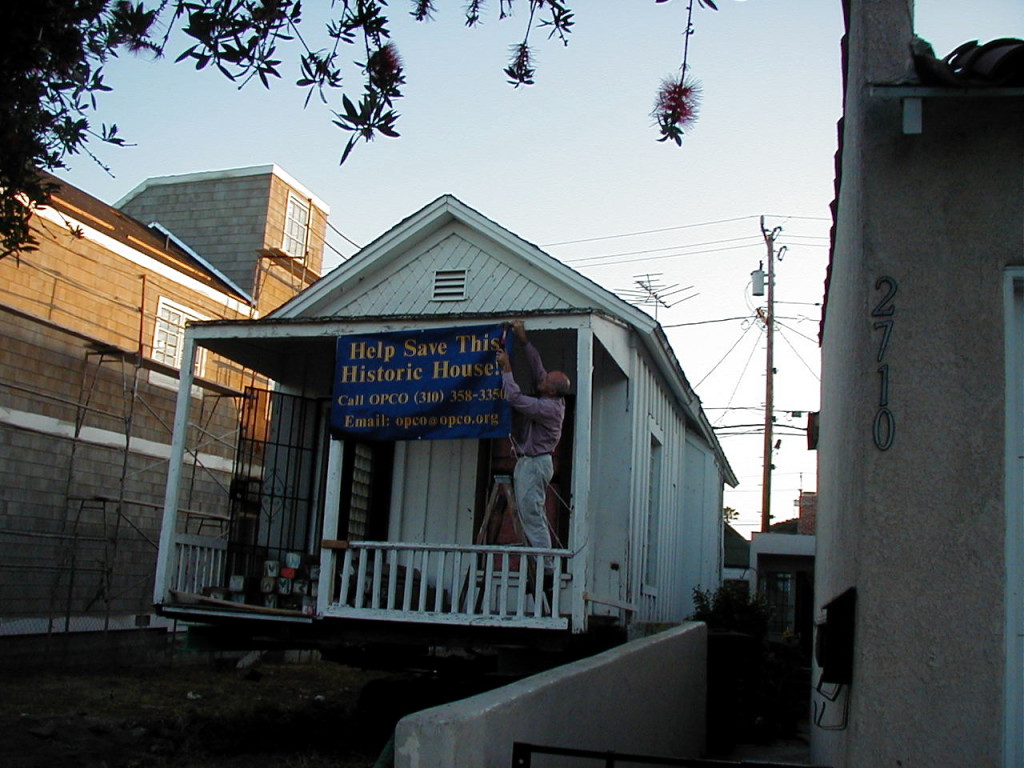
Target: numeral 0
884	429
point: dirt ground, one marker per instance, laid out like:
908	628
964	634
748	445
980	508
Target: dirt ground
192	715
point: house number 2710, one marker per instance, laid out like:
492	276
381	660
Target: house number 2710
883	428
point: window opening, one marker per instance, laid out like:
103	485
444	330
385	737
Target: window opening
780	594
169	341
296	227
653	514
359	509
365	490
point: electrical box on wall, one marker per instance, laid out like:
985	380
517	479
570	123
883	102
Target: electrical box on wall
834	643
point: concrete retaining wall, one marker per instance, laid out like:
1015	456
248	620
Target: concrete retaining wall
647	696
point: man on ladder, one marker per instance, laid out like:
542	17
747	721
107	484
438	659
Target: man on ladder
537	438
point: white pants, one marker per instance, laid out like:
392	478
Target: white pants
531	477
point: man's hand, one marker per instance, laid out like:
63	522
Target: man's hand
520	330
503	362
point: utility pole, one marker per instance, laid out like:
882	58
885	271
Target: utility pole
769	386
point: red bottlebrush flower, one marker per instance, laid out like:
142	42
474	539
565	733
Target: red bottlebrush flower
423	10
676	107
520	70
384	69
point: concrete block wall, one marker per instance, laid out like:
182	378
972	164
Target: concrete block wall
87	650
63	565
60	558
74	556
647	696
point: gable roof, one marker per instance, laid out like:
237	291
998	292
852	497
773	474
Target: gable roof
736	549
391	277
447	229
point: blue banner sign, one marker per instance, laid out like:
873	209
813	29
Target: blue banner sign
438	384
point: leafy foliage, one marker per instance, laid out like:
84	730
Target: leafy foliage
730	608
756	687
52	54
51	62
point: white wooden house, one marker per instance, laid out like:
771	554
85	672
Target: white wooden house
368	535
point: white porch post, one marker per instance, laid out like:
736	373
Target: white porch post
332	501
166	551
580	563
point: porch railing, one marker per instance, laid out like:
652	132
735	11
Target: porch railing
478	585
199	561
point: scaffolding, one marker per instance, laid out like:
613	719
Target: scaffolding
104	509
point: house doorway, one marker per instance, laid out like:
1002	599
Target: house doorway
497	460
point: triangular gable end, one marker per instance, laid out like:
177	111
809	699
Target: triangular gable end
403	272
447	236
453	272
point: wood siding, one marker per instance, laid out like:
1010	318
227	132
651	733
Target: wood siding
492	285
664	575
435	487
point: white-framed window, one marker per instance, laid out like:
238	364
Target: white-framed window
169	340
653	532
296	227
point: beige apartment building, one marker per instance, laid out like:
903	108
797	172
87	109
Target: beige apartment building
90	350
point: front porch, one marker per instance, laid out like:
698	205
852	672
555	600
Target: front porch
475	585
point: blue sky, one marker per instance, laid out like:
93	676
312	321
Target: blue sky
575	158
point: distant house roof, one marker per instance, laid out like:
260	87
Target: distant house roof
996	64
786	526
737	549
156	242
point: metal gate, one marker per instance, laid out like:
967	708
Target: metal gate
276	482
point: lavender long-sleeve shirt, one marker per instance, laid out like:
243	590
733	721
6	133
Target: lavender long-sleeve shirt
542	426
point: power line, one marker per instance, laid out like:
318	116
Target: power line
801	218
753	408
727	353
707	322
798	357
671	255
743	373
744	317
328	245
582	259
648	232
687	226
798	333
797	430
342	235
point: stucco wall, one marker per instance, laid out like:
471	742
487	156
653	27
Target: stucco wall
917	528
647	696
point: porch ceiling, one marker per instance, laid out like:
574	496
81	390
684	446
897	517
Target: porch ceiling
285	360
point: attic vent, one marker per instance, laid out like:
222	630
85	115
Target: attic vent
449	285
